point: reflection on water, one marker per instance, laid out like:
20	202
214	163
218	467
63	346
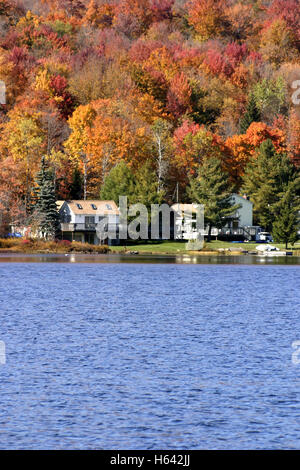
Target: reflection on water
150	259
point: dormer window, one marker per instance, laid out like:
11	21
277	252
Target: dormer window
79	206
108	207
94	207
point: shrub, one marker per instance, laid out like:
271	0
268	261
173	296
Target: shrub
57	246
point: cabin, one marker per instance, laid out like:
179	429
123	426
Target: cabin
239	226
81	221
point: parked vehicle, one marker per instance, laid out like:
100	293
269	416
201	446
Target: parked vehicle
265	237
14	235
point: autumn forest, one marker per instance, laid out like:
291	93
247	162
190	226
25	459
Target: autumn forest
155	84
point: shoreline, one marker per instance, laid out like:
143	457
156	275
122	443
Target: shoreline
166	248
228	252
187	257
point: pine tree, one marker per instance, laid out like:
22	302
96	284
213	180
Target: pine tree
76	185
265	181
213	189
45	213
145	191
287	223
119	182
252	114
39	181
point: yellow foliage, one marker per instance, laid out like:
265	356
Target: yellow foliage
80	122
162	61
42	81
28	20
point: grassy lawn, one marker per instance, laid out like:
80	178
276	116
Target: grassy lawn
171	247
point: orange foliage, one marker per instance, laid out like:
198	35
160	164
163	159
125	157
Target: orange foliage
241	148
207	17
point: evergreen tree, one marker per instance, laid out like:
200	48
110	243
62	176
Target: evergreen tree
251	115
287	223
76	185
39	180
145	191
265	181
213	189
119	182
45	213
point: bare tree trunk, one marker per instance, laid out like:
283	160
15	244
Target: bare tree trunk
160	165
85	161
27	195
85	180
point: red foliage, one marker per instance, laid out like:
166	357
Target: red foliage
255	57
218	63
132	17
21	59
287	10
181	132
162	9
236	53
66	103
179	94
141	50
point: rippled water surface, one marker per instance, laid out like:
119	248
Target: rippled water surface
149	356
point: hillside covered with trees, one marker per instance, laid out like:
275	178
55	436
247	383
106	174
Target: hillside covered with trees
158	86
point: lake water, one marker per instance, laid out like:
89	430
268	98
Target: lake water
112	355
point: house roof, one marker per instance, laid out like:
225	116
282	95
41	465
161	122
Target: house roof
242	198
95	207
59	204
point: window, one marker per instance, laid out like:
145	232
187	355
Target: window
94	207
79	206
108	206
90	222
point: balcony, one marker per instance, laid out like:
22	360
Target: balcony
87	227
78	227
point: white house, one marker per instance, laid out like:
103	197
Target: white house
238	225
243	216
80	220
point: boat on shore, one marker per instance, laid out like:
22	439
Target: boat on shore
270	250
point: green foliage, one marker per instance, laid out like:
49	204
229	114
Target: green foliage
119	182
252	114
212	188
266	179
287	223
61	28
146	187
204	110
270	97
76	188
45	214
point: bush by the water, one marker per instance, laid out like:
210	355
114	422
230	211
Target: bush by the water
42	246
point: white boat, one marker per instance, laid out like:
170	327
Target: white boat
269	250
273	253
